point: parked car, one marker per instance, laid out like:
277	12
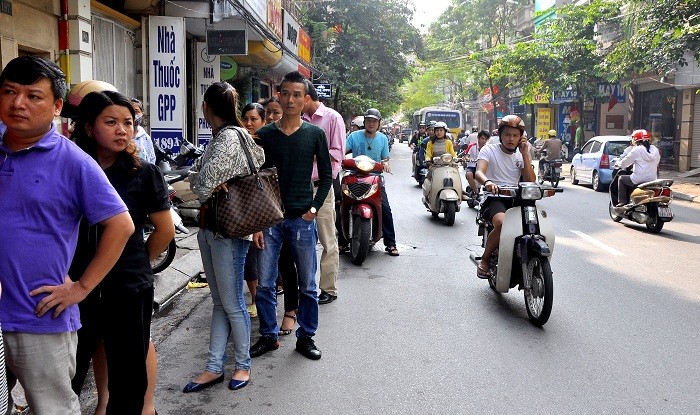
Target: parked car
406	134
592	164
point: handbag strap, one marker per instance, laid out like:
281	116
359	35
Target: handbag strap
246	150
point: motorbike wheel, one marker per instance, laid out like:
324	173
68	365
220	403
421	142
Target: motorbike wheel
164	260
574	180
538	297
450	209
614	216
493	267
654	225
361	235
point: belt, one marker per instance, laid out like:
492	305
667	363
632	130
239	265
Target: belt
317	183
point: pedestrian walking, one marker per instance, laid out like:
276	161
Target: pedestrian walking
291	145
332	123
117	314
224	258
47	184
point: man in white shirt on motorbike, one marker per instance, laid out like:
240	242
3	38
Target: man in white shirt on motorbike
502	165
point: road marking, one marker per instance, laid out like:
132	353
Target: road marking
596	242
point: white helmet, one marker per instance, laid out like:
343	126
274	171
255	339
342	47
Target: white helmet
358	121
440	124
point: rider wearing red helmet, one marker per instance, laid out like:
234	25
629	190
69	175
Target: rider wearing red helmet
502	165
645	158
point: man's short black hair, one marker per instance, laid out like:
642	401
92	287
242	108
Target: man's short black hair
28	70
296	78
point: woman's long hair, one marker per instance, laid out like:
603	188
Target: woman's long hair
89	109
222	99
646	144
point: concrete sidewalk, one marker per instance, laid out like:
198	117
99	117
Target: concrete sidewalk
686	186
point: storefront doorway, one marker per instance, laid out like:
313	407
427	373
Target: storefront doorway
656	111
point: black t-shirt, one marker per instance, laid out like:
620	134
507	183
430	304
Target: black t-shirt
144	192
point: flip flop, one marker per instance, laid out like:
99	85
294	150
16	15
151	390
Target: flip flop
391	250
483	273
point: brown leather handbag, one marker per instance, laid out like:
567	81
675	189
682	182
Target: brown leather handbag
252	203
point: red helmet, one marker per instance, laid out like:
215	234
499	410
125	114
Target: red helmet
641	135
511	121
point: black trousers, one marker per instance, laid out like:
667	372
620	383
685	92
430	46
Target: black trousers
290	280
624	189
123	322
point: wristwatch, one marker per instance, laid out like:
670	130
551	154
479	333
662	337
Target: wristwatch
313	210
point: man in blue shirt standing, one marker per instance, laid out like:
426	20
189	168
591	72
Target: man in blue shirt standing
375	145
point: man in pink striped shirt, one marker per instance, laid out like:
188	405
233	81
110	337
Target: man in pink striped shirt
332	123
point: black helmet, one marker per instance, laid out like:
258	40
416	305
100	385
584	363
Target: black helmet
373	113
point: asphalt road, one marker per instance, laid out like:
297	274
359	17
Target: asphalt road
419	333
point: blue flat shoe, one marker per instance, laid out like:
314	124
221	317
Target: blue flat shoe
234	384
196	387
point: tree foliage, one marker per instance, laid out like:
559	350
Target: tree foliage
361	46
660	32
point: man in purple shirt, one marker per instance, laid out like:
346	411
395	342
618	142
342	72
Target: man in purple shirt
333	125
47	184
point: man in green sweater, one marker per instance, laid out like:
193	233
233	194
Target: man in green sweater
291	145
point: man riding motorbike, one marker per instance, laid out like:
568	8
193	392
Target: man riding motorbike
502	165
552	147
645	157
418	144
370	142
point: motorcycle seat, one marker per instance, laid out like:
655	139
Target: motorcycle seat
656	183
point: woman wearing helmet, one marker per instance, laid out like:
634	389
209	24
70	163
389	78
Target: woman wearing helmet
439	144
645	158
502	165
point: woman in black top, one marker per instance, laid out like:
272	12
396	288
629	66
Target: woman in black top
118	311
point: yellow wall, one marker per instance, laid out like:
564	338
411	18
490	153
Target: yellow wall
32	28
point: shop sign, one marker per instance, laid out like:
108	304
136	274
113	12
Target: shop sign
304	50
167	80
291	32
227	42
6	7
208	72
324	90
560	97
274	17
544	120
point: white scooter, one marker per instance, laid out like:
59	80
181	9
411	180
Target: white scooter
525	246
442	188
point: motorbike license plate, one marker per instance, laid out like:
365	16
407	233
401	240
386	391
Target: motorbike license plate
665	212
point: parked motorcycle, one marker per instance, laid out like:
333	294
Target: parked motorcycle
442	188
163	261
551	172
182	161
649	203
361	205
525	247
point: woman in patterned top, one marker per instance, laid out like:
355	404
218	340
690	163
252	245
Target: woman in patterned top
224	258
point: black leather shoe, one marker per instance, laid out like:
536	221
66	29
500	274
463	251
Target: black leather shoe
263	345
307	347
325	298
196	387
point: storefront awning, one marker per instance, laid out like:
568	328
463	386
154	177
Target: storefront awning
261	54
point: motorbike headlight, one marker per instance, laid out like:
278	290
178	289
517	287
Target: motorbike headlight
364	164
446	158
530	191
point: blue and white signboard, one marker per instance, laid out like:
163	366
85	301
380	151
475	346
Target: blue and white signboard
208	72
166	80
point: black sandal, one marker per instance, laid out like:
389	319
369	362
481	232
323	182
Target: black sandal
286	332
391	250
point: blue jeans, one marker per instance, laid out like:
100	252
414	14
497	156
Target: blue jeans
224	260
300	236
